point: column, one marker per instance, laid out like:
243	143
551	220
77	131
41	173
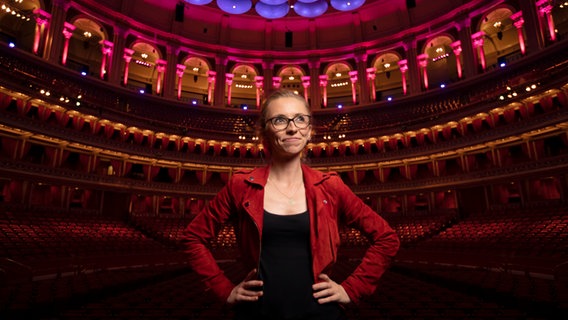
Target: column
413	74
306	85
457	49
41	19
364	95
276	82
210	83
403	66
119	41
67	33
106	48
423	63
467	54
315	91
54	42
161	68
267	73
220	65
323	86
170	75
229	81
371	76
545	10
535	36
127	56
518	22
477	39
258	80
353	78
180	71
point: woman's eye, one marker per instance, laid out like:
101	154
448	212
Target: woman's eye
280	120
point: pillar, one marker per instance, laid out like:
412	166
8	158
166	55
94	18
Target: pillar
106	49
211	75
371	76
306	85
323	86
41	19
67	33
258	81
423	63
229	81
518	22
403	66
54	42
161	68
127	56
220	65
315	91
478	40
180	71
116	61
267	73
353	78
545	11
457	49
364	96
467	54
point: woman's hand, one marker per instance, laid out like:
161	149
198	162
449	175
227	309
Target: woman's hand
247	290
329	291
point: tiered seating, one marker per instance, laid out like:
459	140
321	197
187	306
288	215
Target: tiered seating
29	237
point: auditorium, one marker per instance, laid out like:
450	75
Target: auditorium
120	121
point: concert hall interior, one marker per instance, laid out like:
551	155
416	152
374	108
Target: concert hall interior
120	120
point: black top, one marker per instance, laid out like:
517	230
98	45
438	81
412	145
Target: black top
285	268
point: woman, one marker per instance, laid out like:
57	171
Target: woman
286	217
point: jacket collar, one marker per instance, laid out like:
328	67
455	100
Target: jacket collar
312	177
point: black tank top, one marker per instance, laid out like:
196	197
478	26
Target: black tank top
285	268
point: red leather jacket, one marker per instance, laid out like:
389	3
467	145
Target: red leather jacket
329	202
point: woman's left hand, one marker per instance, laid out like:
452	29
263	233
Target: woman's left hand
329	291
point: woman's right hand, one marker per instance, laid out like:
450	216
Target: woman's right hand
247	290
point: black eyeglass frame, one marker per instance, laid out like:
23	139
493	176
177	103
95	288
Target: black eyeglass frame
309	122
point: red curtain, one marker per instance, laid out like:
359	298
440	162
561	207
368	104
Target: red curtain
23	106
546	103
462	128
477	124
386	173
173	173
5	100
43	112
393	143
117	167
62	117
380	144
85	159
509	115
447	132
138	137
10	146
109	131
78	123
95	127
190	146
562	98
441	167
420	138
527	110
50	153
492	119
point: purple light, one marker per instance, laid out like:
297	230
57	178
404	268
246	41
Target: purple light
339	106
11	45
271	11
83	73
442	85
142	91
503	64
234	6
389	99
194	102
346	5
311	10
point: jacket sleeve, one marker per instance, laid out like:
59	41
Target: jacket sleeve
384	243
196	238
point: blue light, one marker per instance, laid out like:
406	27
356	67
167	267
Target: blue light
83	73
339	106
443	85
142	91
11	45
194	102
389	99
244	106
503	65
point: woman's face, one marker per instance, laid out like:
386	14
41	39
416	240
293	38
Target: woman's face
287	137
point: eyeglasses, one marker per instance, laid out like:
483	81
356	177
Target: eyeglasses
301	121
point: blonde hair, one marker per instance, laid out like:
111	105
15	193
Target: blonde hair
262	120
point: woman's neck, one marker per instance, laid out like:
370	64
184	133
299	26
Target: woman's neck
286	171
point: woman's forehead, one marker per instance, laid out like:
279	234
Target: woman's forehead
287	106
